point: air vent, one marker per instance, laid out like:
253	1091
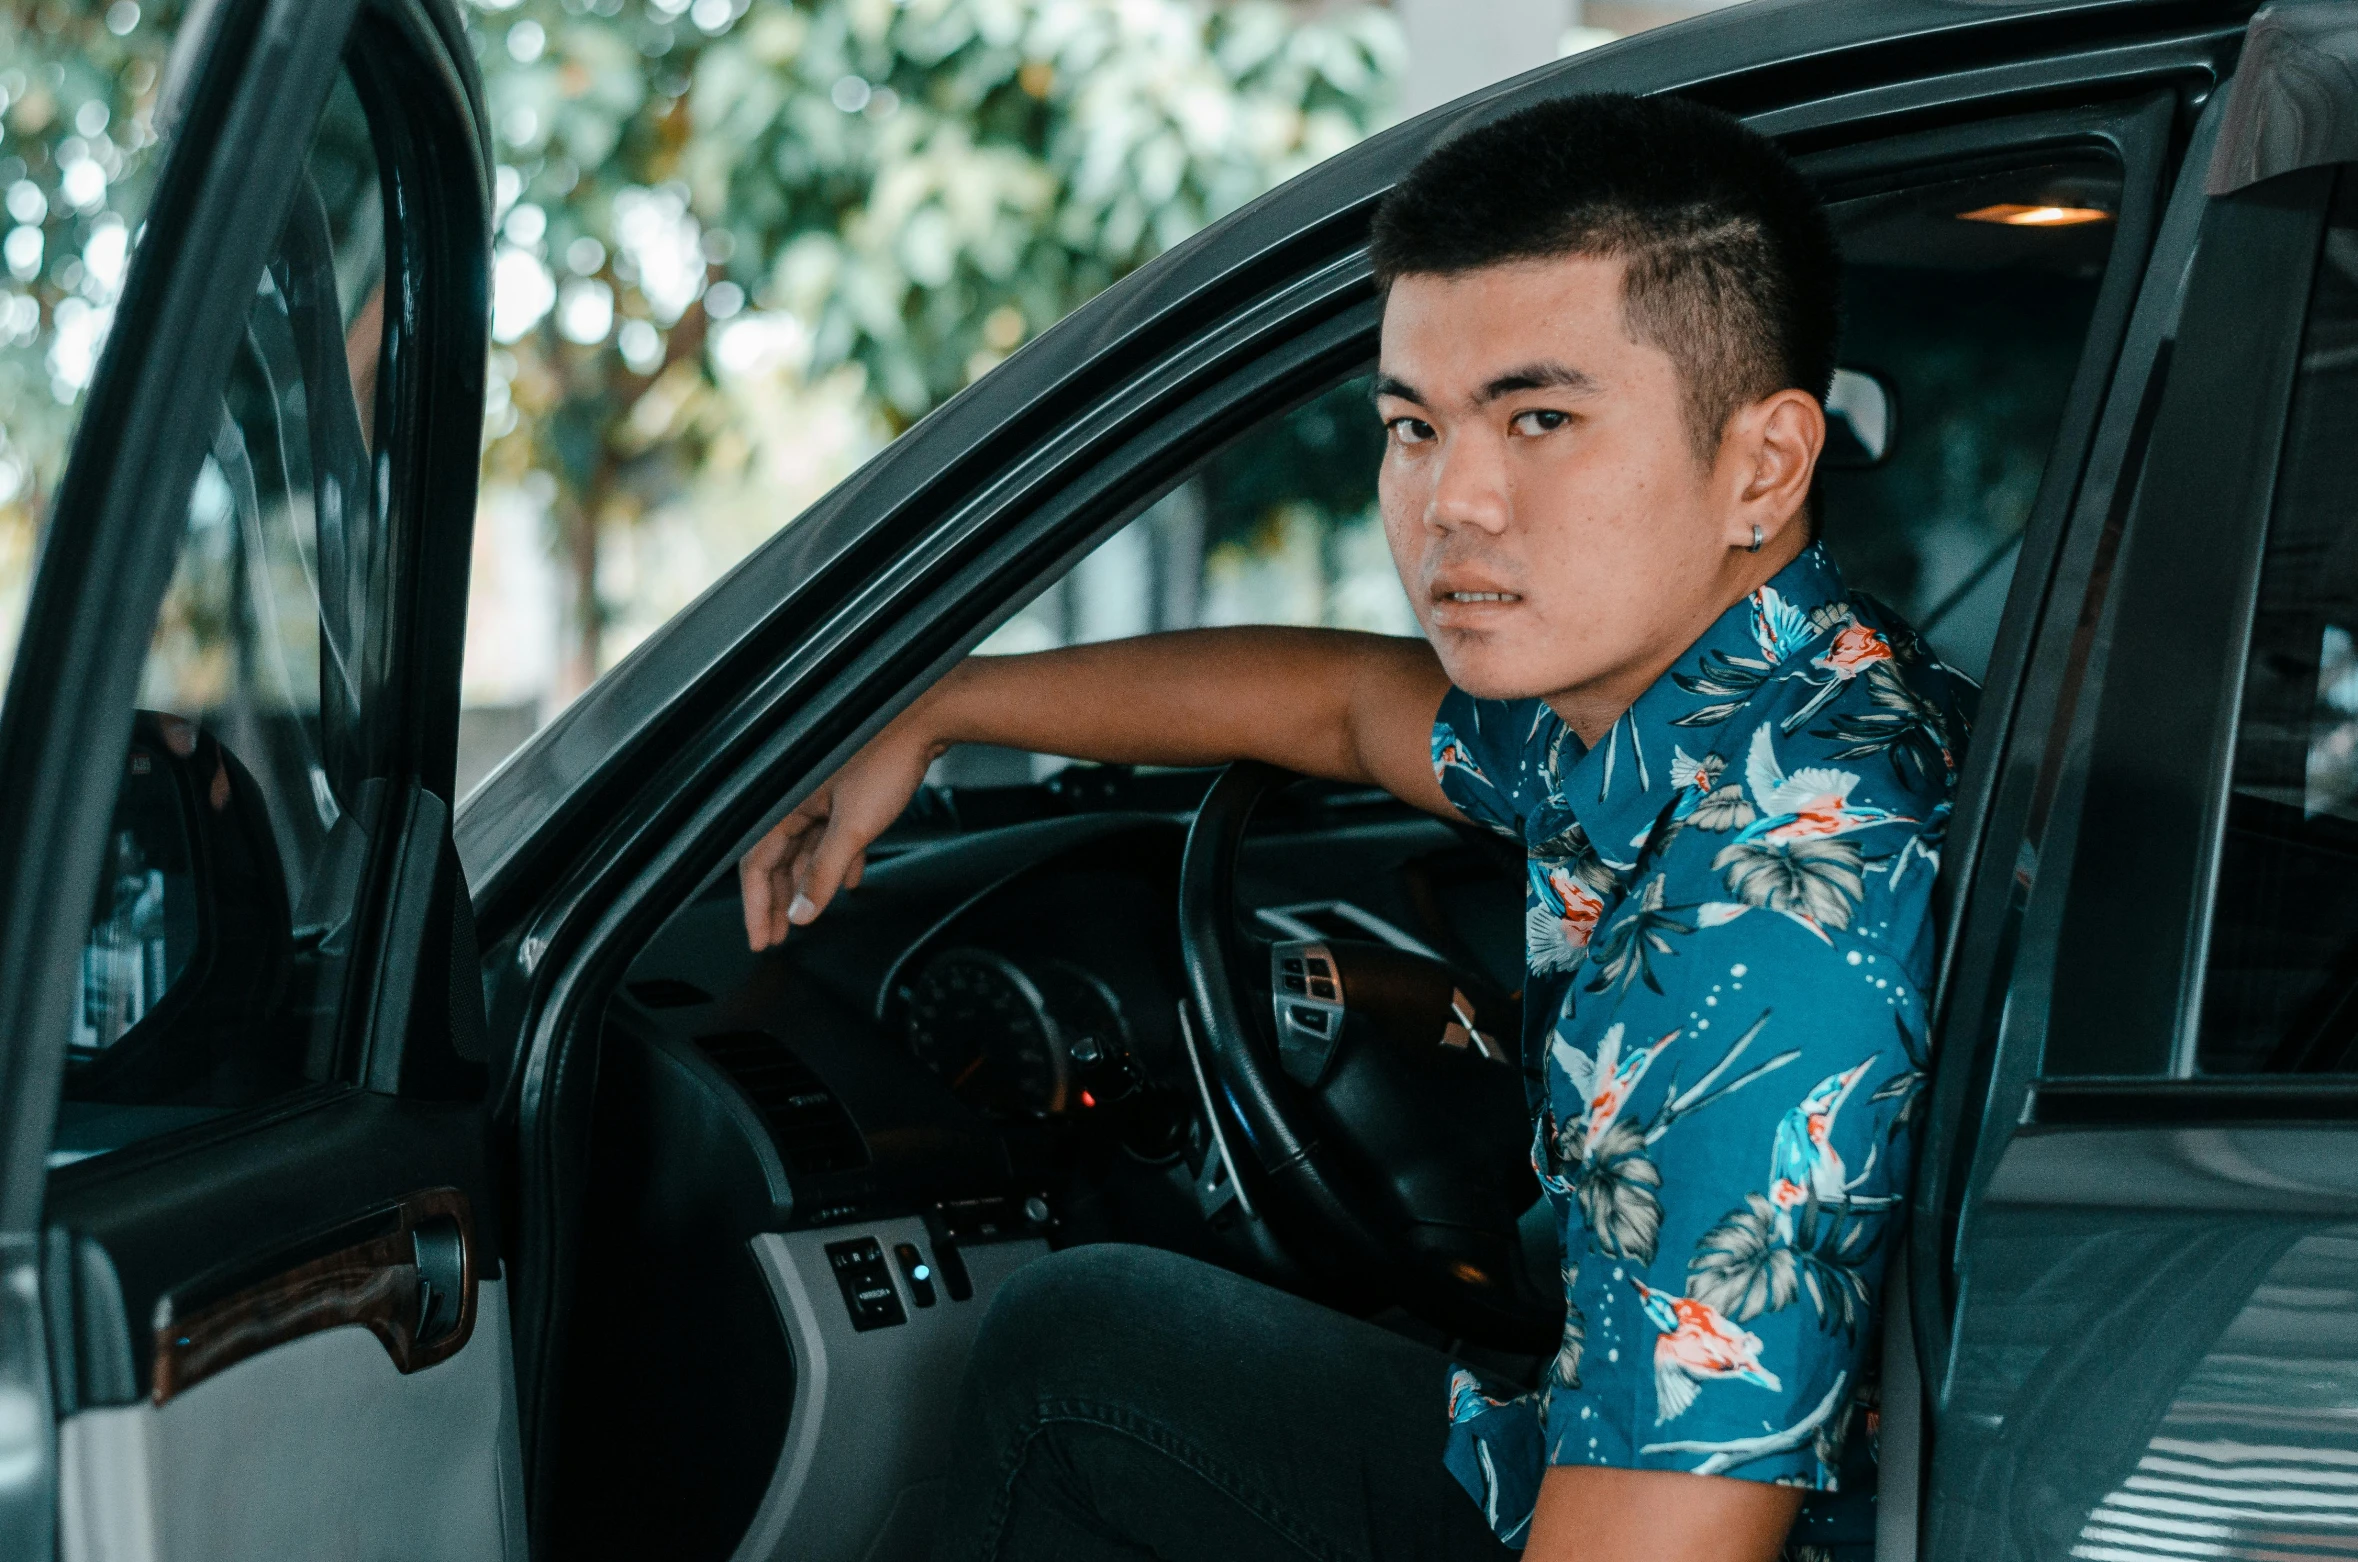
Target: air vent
813	1131
664	992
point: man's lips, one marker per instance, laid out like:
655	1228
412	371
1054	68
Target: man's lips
1466	606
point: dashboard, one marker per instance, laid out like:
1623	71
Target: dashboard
995	1011
981	1045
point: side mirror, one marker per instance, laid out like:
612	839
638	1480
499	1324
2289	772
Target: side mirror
1862	419
190	935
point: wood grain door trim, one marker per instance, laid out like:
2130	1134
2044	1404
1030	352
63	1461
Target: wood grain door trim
363	1271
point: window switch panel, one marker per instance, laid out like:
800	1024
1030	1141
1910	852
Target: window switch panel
868	1292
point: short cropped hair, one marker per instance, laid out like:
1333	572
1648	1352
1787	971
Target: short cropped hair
1732	265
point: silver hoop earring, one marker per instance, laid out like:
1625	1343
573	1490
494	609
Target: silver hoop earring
1755	548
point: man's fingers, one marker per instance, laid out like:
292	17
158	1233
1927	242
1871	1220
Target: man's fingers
753	893
857	871
765	877
757	887
822	870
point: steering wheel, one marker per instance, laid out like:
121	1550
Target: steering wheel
1373	1096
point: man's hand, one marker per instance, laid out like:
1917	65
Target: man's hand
794	871
1326	702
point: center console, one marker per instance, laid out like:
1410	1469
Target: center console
879	1316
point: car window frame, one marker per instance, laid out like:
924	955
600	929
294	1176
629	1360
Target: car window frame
228	181
2133	930
249	78
2165	1085
221	194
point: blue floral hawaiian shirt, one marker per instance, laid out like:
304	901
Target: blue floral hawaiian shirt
1729	939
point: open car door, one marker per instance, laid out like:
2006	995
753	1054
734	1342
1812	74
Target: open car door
253	1303
2136	1239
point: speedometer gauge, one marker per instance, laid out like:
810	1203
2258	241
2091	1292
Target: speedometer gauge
979	1022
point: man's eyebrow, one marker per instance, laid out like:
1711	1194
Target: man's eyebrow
1538	376
1387	385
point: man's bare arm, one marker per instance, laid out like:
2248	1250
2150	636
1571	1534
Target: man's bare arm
1332	703
1591	1513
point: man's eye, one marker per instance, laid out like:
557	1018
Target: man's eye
1410	431
1540	421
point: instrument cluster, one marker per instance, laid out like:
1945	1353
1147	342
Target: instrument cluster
1031	1038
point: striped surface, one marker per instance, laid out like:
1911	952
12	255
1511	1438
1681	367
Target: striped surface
2257	1459
2223	1497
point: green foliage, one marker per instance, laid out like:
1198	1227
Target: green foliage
77	84
908	191
888	196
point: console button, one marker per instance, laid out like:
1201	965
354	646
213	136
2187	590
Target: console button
868	1293
916	1271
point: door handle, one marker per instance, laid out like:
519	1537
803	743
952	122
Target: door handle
405	1271
438	1245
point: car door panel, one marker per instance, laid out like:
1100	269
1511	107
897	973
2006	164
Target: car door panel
105	556
389	1463
185	1225
2157	1332
2143	1311
273	1295
267	1382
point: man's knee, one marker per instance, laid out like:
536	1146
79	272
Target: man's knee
1074	1324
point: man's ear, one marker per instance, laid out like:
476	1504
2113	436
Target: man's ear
1774	445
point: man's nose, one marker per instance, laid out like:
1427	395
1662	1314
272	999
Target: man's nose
1470	488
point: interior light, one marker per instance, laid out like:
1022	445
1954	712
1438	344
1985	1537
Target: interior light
2015	215
1088	1099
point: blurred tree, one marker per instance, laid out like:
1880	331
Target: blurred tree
904	192
77	84
873	200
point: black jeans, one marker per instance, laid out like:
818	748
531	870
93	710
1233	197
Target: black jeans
1124	1402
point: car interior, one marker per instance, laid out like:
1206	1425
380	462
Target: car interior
810	1169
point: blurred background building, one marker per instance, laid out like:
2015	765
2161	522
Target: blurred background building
744	243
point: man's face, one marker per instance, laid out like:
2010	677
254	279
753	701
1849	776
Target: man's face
1540	490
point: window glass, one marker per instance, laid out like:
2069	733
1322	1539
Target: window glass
1280	527
213	967
2280	992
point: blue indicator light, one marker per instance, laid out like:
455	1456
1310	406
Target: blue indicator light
921	1273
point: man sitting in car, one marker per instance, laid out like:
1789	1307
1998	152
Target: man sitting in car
1609	327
